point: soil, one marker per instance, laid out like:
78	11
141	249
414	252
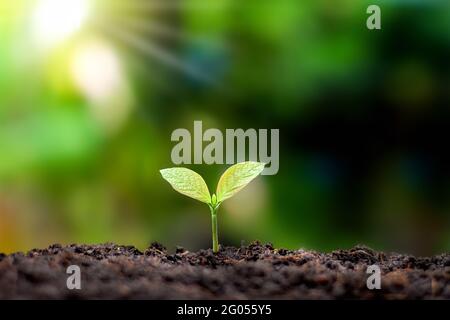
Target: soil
256	271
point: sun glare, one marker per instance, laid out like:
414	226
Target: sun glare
55	20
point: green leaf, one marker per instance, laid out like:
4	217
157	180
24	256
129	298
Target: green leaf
214	200
187	182
237	177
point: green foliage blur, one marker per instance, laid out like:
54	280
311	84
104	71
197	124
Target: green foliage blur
87	111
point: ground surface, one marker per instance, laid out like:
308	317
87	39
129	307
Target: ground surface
250	272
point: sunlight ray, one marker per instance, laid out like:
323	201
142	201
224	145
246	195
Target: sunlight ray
158	29
163	5
156	52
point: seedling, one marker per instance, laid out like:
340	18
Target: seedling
191	184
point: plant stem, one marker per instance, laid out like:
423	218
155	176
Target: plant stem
215	236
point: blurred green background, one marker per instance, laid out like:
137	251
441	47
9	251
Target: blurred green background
90	92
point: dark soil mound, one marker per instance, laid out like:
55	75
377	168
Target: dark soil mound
250	272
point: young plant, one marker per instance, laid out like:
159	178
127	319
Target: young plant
191	184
